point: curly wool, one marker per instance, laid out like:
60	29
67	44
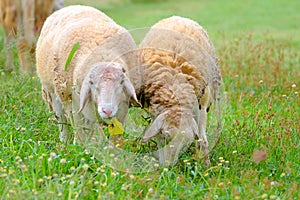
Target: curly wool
165	68
181	79
185	48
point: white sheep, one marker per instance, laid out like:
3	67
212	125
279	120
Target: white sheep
181	79
24	19
97	80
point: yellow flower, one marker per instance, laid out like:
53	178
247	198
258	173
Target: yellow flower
11	191
131	176
282	175
264	196
3	175
85	166
40	180
72	168
112	155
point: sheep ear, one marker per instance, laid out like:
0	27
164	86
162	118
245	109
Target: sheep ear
129	91
155	127
195	129
85	93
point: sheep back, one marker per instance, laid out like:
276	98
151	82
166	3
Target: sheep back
182	45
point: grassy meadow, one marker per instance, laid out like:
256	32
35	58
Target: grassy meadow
257	155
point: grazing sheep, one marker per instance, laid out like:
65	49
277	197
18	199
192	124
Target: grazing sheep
24	19
96	82
181	79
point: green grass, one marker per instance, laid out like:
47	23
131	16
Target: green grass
257	44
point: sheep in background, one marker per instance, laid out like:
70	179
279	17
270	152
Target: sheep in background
96	83
23	19
181	79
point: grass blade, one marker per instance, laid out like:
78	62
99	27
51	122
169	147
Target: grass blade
72	52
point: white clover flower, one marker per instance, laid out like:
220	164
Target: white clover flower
63	161
52	154
85	166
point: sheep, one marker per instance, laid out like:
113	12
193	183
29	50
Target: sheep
96	83
23	19
181	79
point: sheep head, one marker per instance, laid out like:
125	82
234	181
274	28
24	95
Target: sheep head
107	85
175	128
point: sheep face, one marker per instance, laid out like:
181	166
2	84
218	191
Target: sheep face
170	123
107	86
176	134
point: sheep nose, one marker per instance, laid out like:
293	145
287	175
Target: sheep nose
107	112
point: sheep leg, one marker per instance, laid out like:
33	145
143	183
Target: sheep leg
9	59
26	35
203	138
161	157
65	135
22	47
84	128
48	98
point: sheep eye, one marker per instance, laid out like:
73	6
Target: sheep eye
122	81
91	82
